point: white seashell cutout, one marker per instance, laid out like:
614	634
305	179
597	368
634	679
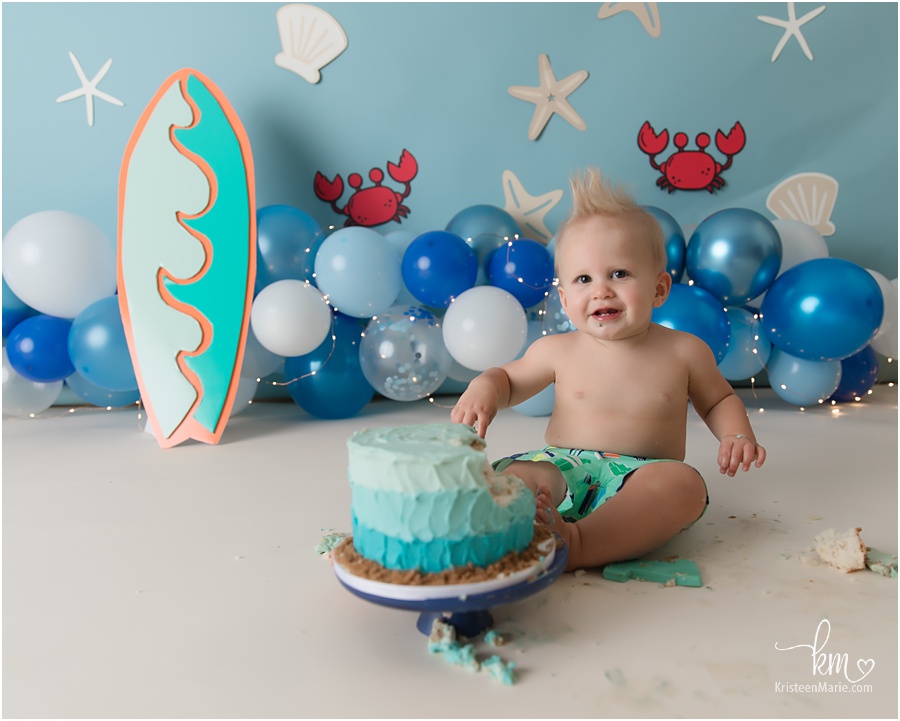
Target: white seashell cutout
310	39
809	197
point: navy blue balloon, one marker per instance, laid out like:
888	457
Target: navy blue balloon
675	242
825	309
693	310
37	349
523	268
734	254
858	374
437	267
329	381
98	347
97	396
287	240
484	228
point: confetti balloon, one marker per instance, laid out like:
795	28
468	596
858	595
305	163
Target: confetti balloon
402	353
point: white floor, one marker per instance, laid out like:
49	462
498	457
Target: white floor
139	582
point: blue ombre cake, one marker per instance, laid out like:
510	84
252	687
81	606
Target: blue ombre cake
425	497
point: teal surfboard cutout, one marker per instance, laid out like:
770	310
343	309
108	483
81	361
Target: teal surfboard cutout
187	256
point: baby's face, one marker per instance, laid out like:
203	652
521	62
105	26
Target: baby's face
609	283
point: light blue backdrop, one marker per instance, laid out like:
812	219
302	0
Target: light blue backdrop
433	77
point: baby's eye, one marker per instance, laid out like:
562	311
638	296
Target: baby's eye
619	274
583	279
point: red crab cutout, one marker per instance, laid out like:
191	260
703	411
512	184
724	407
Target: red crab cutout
691	169
376	204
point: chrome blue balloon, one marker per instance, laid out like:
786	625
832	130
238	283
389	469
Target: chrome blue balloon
802	382
98	347
97	396
734	254
287	240
329	383
693	310
437	266
523	268
858	374
749	348
824	309
675	242
37	349
484	228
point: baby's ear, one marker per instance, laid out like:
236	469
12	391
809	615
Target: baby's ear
663	286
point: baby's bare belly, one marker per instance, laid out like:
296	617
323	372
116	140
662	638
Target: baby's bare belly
648	436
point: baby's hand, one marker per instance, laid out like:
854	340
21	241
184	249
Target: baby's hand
739	452
472	412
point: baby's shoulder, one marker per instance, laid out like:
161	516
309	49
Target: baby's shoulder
678	342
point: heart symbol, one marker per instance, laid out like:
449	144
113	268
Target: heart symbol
866	666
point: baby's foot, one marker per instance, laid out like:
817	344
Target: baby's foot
544	506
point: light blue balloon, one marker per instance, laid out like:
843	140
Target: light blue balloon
402	353
823	309
674	239
749	348
359	270
484	228
734	254
802	382
99	396
98	348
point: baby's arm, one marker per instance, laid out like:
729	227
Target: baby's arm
505	386
723	412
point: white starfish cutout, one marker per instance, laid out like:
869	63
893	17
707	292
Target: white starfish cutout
550	97
89	88
646	13
529	210
792	29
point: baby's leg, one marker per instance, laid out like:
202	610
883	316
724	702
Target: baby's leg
540	473
657	501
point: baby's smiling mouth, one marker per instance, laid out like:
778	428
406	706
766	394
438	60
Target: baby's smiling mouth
602	314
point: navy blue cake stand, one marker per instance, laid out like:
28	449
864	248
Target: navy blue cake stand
468	613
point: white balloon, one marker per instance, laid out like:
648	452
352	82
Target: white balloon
22	397
290	318
885	340
258	362
58	263
485	327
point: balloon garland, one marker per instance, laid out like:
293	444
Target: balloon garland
346	313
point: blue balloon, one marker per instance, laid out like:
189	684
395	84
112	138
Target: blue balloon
14	310
858	374
287	240
802	382
329	383
97	396
37	349
734	254
523	268
98	347
359	270
693	310
438	266
675	243
484	228
824	309
749	348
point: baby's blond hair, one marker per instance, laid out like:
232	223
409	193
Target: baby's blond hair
594	196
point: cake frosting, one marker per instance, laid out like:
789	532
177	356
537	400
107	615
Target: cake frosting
425	497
